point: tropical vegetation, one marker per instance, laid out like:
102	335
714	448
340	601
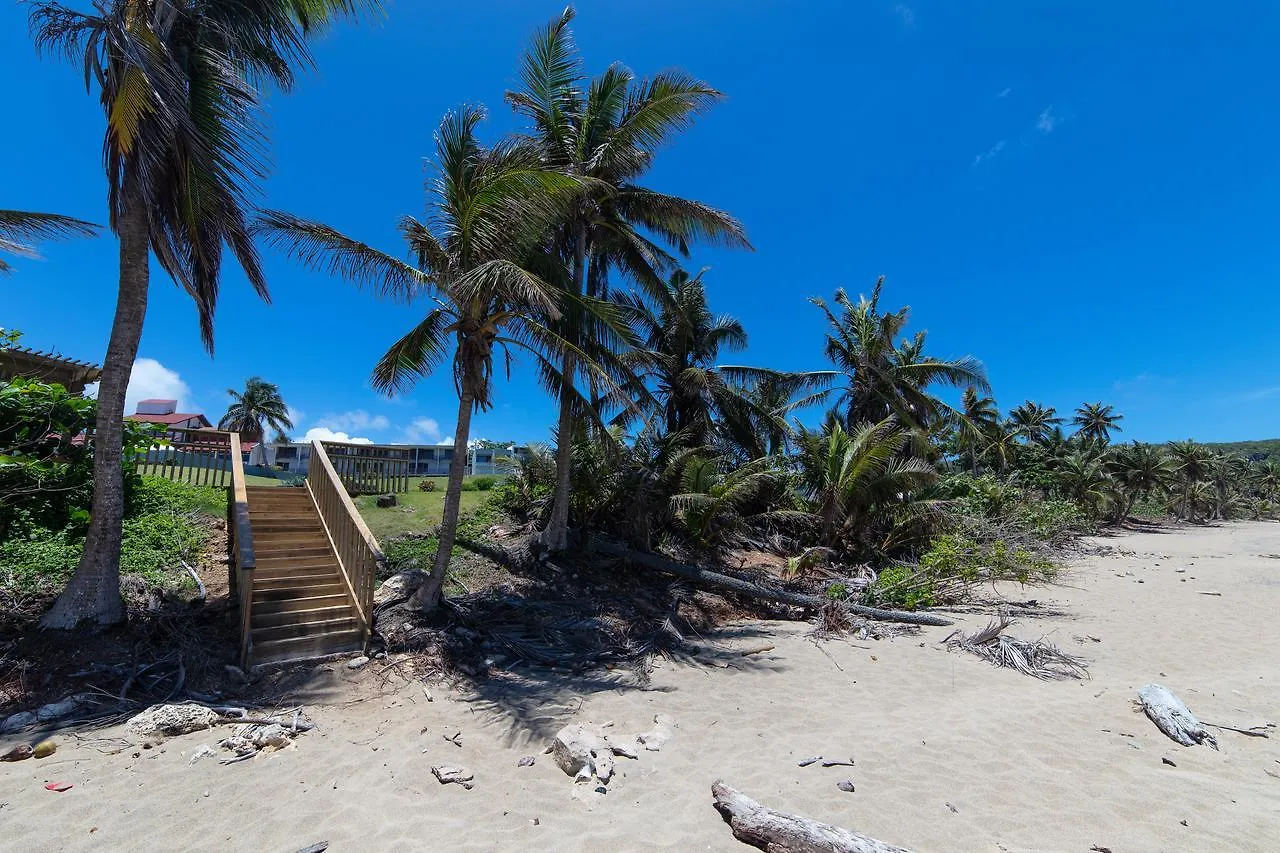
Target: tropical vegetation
887	473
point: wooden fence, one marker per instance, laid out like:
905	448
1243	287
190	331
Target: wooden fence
367	469
201	457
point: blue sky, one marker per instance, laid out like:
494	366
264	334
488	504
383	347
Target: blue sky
1081	195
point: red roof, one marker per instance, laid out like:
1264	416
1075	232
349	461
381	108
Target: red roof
175	418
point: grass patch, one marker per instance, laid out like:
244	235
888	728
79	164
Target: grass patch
417	511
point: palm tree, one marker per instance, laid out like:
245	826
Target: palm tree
868	497
982	415
491	209
693	396
1140	469
608	130
1034	422
881	379
182	151
1096	421
1083	478
713	504
259	402
19	229
1192	463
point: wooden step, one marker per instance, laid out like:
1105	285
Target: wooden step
281	581
326	627
342	610
275	540
292	553
293	590
301	648
288	582
266	607
314	567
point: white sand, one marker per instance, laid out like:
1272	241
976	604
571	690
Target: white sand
1026	765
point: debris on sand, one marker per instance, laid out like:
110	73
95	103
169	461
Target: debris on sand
172	720
1037	658
448	773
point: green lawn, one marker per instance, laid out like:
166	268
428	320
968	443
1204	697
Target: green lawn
417	511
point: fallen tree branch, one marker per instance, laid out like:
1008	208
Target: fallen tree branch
777	832
704	576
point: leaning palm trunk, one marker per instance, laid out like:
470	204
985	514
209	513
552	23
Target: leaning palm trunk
94	590
556	535
428	595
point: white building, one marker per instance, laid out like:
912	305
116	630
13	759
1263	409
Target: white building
425	460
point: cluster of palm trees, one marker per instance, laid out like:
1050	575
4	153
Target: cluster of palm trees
1183	479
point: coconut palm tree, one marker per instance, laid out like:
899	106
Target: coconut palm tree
183	151
609	130
1096	422
983	416
876	378
713	503
19	229
258	404
692	395
869	498
1034	422
1193	464
1140	470
474	262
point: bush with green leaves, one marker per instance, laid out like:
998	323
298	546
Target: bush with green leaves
956	562
166	522
483	483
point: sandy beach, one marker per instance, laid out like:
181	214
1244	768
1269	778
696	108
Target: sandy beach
951	753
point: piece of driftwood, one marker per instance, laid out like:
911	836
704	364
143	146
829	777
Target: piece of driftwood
704	576
1173	717
777	832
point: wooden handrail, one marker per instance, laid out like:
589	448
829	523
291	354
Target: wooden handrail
359	555
241	540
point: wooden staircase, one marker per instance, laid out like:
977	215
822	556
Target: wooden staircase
303	565
301	605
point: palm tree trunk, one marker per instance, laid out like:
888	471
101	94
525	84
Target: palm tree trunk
94	591
428	595
556	535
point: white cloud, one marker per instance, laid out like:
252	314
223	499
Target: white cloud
357	419
979	159
446	440
1047	120
1004	93
326	434
151	380
422	430
907	14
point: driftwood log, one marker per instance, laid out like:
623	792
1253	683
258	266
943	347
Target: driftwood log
709	578
777	832
1173	717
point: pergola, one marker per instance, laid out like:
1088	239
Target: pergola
48	367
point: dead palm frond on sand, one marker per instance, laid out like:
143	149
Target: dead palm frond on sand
1037	658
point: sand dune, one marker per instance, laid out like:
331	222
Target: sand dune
951	754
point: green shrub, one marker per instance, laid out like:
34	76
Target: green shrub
1052	520
426	485
484	483
406	553
39	560
155	544
953	564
